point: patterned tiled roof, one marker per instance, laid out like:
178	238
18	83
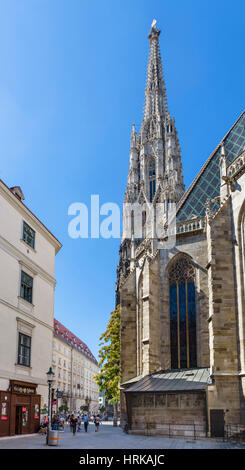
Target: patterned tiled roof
72	340
207	183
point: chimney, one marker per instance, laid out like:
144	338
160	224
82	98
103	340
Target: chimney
16	190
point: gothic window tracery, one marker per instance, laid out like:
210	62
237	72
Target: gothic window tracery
182	313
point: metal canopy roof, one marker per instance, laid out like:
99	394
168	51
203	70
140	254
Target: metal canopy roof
173	381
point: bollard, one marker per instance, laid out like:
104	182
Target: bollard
53	438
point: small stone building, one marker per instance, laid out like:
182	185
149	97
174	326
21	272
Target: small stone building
169	403
182	293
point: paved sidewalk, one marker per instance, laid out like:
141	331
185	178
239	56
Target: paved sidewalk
109	437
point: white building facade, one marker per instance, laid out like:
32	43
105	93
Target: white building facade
27	269
75	367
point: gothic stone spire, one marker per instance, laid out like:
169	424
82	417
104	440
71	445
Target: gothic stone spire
155	169
155	154
155	93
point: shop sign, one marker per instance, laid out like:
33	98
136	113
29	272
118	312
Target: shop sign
24	390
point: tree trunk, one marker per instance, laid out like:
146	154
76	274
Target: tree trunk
115	414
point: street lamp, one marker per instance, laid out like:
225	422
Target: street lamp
50	378
57	402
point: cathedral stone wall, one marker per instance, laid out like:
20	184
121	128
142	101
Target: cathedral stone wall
167	413
155	321
223	316
128	329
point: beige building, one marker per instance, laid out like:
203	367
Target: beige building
182	293
27	270
75	367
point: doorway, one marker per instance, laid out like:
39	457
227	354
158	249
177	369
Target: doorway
217	421
18	420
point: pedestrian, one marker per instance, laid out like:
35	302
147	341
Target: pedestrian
55	422
78	424
97	423
73	423
85	423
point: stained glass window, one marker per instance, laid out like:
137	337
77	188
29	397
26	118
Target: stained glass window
182	314
152	179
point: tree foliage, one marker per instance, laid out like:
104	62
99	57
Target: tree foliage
109	354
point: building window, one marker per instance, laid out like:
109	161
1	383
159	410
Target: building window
29	235
152	179
182	314
26	287
24	350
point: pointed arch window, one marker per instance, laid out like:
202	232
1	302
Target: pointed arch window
182	314
152	178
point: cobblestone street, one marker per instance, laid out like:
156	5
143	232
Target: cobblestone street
109	437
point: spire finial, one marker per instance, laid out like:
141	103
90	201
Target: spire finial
154	32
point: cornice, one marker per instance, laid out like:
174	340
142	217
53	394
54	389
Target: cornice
26	314
23	259
13	376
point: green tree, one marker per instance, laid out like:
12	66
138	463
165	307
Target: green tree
63	408
84	408
109	354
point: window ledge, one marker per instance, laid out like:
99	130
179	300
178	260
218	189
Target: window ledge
25	301
22	366
29	247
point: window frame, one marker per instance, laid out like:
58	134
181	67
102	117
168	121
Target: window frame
182	308
26	347
28	297
31	244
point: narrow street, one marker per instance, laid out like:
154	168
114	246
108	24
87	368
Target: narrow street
109	437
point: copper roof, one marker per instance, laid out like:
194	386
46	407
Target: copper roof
173	381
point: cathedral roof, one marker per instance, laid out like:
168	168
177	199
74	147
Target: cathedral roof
173	381
207	183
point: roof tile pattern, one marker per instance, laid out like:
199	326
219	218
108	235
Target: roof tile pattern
207	183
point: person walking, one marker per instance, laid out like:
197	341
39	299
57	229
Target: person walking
78	424
85	423
97	423
73	422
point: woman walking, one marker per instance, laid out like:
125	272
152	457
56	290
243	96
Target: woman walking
97	423
73	422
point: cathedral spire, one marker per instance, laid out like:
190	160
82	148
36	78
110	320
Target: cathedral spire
155	92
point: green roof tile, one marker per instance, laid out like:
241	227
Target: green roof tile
207	183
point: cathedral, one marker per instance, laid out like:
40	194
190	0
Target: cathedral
181	289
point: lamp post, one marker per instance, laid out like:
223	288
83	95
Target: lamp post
50	377
57	400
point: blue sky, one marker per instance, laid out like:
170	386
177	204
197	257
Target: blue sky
72	81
